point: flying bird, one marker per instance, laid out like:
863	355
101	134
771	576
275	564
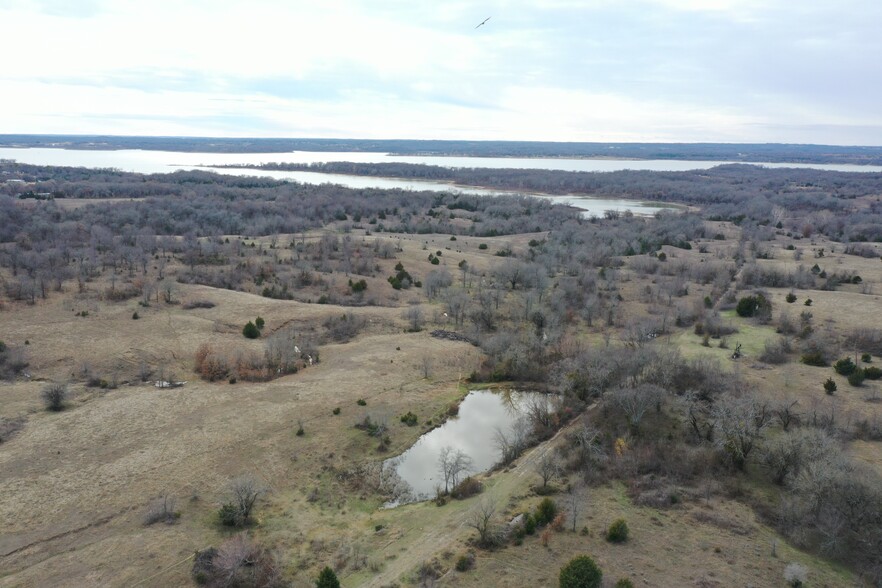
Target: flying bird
482	23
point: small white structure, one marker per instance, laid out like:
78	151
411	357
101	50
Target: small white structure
165	384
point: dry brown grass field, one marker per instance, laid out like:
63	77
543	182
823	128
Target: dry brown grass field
74	485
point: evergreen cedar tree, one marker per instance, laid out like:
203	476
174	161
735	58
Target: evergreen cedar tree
327	579
251	331
581	572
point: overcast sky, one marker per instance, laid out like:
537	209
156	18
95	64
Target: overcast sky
806	71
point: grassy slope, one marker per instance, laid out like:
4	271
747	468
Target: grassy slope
75	484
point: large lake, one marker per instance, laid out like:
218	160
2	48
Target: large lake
145	161
142	161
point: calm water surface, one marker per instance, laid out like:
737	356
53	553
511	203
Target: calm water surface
473	432
142	161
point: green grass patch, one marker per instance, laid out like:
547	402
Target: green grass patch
750	335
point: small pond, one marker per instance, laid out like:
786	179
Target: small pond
481	415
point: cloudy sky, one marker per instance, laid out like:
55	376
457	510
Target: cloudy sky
805	71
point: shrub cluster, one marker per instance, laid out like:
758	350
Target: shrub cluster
280	357
872	373
465	562
54	396
197	304
756	305
277	293
12	361
9	427
713	327
776	352
856	378
161	510
402	279
240	561
845	367
545	512
836	490
467	488
617	532
345	327
814	358
373	427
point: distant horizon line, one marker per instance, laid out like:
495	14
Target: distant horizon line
5	136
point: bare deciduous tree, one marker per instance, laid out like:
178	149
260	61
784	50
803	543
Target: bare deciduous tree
839	502
144	371
464	270
452	464
739	423
282	352
457	302
540	416
169	290
512	444
415	319
242	562
512	273
635	402
699	416
426	364
587	441
147	289
788	453
161	509
575	495
381	477
786	413
640	333
436	281
481	520
548	468
244	491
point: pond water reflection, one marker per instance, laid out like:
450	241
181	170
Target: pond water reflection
481	415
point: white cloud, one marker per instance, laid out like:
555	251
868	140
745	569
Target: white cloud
714	70
254	39
712	5
536	114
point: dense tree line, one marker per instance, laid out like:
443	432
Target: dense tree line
46	244
204	204
805	199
